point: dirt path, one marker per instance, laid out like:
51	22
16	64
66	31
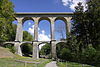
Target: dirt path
51	64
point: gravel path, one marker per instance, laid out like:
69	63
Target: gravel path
51	64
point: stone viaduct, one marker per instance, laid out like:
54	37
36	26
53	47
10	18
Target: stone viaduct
37	17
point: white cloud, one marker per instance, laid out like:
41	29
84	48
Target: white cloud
73	3
29	23
31	30
65	2
43	36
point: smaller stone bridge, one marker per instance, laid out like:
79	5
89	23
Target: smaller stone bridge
35	46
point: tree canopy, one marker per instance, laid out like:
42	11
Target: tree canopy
6	18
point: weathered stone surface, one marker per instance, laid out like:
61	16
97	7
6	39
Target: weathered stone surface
36	17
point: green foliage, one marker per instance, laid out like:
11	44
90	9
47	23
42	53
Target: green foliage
11	47
26	49
60	47
10	62
87	55
68	51
27	36
86	28
71	64
86	24
6	18
45	50
65	52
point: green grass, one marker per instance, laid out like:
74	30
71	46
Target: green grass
10	62
71	64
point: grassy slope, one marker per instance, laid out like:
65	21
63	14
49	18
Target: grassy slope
11	62
5	53
71	64
8	59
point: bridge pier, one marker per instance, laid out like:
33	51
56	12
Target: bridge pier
35	50
18	49
53	49
19	36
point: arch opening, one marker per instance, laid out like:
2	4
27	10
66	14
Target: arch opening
44	33
60	30
45	50
27	18
28	30
26	49
44	18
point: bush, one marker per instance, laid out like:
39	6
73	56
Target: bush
87	55
11	47
26	49
97	59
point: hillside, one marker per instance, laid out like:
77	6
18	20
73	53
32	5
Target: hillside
5	53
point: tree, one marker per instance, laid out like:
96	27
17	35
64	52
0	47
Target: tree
6	17
86	23
80	25
93	14
86	28
27	48
27	36
46	49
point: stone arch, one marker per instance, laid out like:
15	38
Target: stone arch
44	18
26	49
42	43
61	29
44	56
61	18
12	44
26	26
27	18
26	42
47	23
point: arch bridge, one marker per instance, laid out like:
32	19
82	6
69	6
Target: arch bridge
37	17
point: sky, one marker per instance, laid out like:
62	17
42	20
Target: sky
45	6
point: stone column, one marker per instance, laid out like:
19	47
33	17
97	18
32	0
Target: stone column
36	29
68	25
52	28
18	49
53	49
19	30
35	50
19	36
53	45
35	42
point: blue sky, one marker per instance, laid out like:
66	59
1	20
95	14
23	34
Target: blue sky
45	6
40	6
